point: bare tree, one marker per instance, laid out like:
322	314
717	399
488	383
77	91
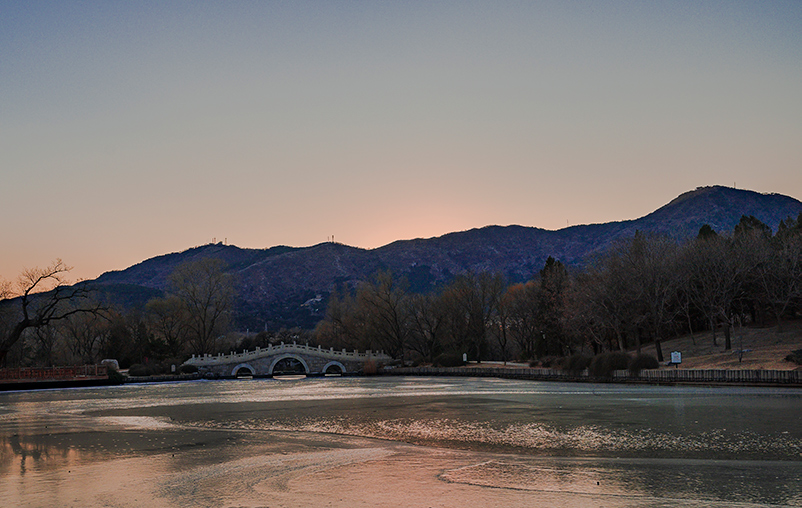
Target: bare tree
718	275
554	282
473	301
44	296
166	318
652	259
84	334
581	321
6	290
611	294
502	323
47	340
206	294
429	315
385	303
686	289
524	317
344	324
778	272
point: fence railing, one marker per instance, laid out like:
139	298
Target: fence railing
780	377
53	373
667	376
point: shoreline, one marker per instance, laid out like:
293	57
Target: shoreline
658	377
690	377
50	384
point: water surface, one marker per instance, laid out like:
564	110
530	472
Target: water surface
396	441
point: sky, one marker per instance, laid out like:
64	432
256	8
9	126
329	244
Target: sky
134	129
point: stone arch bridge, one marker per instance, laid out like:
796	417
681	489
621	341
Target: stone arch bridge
274	359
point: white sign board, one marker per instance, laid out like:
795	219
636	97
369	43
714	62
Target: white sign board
676	357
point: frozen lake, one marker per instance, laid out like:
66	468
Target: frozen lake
401	441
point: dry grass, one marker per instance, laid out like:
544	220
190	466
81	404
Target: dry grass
766	348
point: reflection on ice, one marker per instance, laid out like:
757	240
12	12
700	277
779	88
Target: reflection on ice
19	456
536	437
137	422
656	482
250	442
579	479
257	474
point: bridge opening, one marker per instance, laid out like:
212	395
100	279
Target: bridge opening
333	370
244	372
289	366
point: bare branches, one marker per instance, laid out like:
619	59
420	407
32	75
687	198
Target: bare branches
39	280
44	297
647	288
5	289
206	295
387	312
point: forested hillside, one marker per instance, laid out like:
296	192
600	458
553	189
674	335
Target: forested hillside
285	287
710	259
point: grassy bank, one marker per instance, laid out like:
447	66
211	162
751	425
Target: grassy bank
764	348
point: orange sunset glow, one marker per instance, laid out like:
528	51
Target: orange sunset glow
133	130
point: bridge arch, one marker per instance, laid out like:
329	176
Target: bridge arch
243	366
337	364
286	356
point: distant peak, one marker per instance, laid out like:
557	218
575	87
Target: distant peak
707	191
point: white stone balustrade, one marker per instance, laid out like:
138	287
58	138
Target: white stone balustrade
287	348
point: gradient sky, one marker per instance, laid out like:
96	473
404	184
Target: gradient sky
134	129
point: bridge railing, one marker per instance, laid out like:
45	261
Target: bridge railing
283	348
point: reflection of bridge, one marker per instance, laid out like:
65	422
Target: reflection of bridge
286	357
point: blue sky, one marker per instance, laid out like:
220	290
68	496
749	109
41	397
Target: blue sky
133	129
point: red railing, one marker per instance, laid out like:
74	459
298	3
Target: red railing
53	373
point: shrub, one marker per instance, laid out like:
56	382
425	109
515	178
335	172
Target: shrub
603	365
549	362
575	364
115	377
138	369
188	369
111	364
448	360
524	358
642	362
795	357
158	368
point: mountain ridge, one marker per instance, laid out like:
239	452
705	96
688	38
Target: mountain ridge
275	285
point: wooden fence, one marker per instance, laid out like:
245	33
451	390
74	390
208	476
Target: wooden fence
75	372
775	377
662	376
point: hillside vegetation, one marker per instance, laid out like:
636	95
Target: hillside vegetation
285	287
491	294
764	348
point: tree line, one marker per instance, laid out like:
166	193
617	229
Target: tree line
643	290
44	321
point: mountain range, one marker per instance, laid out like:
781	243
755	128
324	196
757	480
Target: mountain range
289	286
